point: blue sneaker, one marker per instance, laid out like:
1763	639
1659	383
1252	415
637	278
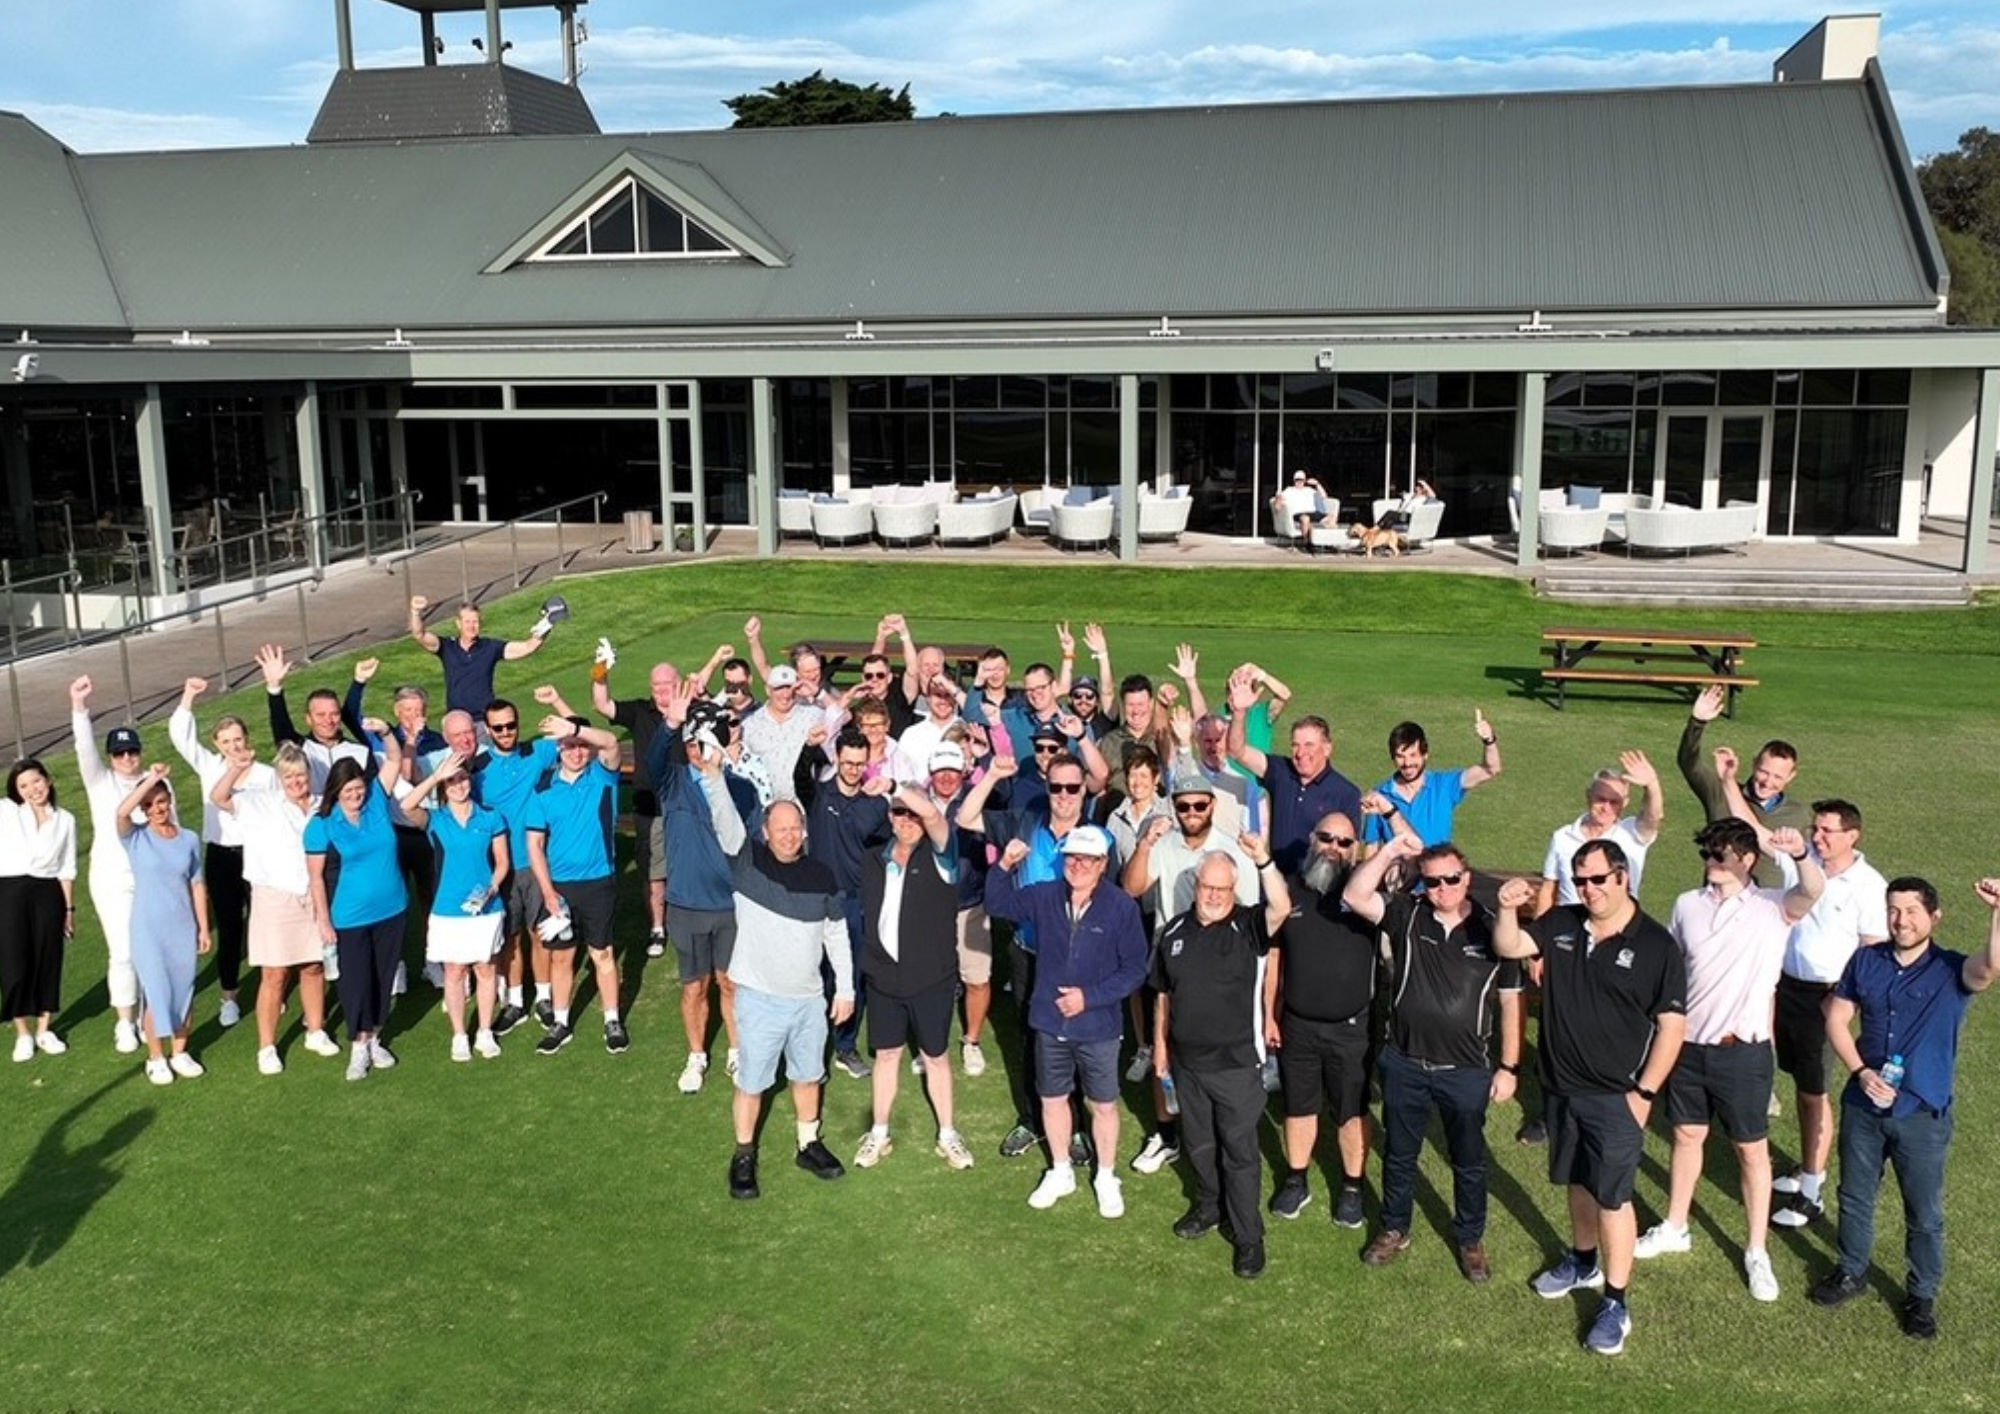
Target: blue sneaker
1566	1276
1608	1331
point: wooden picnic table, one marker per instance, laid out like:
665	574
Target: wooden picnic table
1717	658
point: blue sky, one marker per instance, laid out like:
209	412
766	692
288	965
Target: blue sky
106	75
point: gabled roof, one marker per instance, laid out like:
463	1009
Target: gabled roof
448	101
1767	197
51	272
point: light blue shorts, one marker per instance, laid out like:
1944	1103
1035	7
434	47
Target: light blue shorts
768	1027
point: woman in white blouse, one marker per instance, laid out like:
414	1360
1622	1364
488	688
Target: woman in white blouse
37	906
284	924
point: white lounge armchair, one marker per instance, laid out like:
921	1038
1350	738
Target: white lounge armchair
1425	518
979	520
1291	503
1164	517
905	522
1568	529
794	513
1034	506
838	522
1085	527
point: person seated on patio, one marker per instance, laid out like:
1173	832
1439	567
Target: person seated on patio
1303	523
1397	517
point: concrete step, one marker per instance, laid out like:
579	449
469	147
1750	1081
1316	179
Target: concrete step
1697	584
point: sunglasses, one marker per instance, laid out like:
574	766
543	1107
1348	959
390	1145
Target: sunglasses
1046	749
1325	837
1065	787
1193	807
1714	856
1593	881
901	812
503	726
737	689
127	751
1456	876
1085	693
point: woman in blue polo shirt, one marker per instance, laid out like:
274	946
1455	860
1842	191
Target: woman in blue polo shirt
358	895
468	908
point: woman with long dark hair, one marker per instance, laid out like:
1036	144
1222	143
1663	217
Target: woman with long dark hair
37	906
358	894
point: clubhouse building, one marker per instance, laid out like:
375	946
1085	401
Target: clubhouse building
458	287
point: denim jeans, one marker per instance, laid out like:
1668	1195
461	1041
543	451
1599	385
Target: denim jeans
1916	1144
1409	1093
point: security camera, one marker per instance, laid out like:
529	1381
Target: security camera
26	366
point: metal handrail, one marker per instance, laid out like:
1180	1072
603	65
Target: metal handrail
511	526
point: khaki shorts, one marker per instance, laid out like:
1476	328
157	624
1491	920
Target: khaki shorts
975	947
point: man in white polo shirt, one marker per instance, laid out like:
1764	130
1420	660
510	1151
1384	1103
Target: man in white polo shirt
1733	936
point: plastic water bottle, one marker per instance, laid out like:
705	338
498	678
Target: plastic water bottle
1892	1076
1172	1094
475	902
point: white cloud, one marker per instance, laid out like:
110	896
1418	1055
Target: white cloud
97	129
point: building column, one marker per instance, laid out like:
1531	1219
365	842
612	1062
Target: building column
312	475
399	456
697	467
843	439
763	468
150	428
1128	467
1979	496
1528	461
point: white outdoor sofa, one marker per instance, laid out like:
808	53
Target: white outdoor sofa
1683	528
1567	529
977	520
1160	517
841	522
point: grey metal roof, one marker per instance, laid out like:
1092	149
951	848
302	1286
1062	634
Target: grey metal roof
51	274
448	101
1764	197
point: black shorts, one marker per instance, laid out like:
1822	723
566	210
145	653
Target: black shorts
1595	1143
1731	1084
524	901
1061	1063
704	941
1801	1032
1324	1064
593	905
894	1021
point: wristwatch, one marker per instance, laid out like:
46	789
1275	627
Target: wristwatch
1647	1095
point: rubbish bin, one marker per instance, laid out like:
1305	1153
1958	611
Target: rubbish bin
638	532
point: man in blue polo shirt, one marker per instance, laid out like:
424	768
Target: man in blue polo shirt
1429	799
1910	998
514	769
570	819
469	660
1304	788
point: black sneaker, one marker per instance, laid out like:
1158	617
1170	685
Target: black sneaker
1249	1262
1195	1223
1836	1288
1919	1318
1019	1140
558	1037
1534	1133
1347	1208
743	1175
818	1160
1079	1151
616	1038
507	1018
656	945
1291	1197
545	1012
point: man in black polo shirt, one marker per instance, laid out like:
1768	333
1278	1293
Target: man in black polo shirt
1446	986
1614	1003
1205	967
1304	787
1321	987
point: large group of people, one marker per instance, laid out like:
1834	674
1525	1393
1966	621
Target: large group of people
1171	902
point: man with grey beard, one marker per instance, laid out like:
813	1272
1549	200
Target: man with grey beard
1320	992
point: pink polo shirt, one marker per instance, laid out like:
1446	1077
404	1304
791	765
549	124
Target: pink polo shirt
1735	950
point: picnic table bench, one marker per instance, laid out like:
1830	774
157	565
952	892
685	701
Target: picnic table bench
1717	659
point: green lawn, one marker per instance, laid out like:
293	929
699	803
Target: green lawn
555	1234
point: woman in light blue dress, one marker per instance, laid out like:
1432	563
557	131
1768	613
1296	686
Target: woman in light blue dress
169	922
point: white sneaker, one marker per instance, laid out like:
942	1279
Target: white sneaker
125	1038
357	1064
1787	1183
874	1148
951	1148
731	1061
186	1066
1660	1239
1110	1194
693	1072
1057	1184
50	1044
268	1062
379	1055
973	1058
321	1044
1157	1154
1141	1067
159	1072
1763	1281
916	1063
461	1047
656	944
488	1048
24	1049
230	1013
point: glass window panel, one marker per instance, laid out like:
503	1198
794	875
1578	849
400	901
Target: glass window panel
1213	455
1646	390
577	242
1232	392
1270	391
662	230
1588	448
1784	457
1093	392
975	392
1829	387
1563	390
913	392
612	228
1454	390
1884	386
1001	446
1304	391
1607	390
1850	471
1468	459
1364	390
1093	449
1414	390
1188	390
1020	392
1746	388
1687	390
867	393
1346	452
1495	390
1785	388
704	241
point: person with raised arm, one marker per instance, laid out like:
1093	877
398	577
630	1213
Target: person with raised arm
171	930
469	659
469	909
37	906
110	880
222	836
1303	788
324	741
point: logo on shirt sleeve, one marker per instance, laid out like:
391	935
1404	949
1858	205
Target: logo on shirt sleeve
1624	959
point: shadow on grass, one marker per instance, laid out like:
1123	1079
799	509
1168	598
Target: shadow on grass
63	1180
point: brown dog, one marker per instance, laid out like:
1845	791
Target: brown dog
1373	539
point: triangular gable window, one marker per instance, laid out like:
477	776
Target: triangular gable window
631	222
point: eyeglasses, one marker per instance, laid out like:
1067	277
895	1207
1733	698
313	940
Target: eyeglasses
1456	876
1593	881
1324	837
1193	807
1714	856
1065	787
875	677
1083	694
737	689
513	726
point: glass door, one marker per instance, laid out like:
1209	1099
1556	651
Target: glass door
1707	459
1742	458
1683	459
